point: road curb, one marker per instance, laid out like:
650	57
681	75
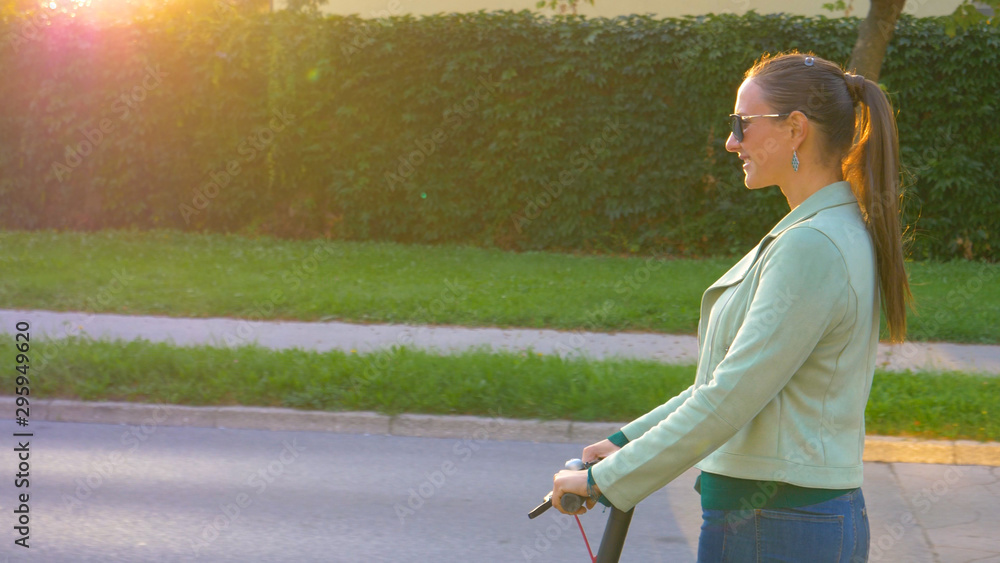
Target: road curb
887	449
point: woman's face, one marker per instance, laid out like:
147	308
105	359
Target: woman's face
764	156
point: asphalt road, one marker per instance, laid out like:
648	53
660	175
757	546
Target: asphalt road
154	493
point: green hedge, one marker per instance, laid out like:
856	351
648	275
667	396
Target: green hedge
504	129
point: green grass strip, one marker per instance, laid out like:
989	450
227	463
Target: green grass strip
193	275
478	382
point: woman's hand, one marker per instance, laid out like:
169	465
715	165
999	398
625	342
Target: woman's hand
596	452
575	482
567	481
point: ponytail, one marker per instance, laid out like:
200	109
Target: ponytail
859	130
872	168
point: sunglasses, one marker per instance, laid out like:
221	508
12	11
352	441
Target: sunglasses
736	122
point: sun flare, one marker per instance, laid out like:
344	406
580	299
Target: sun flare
103	11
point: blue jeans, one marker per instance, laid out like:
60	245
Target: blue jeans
834	531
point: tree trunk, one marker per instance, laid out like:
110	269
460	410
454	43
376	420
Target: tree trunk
874	36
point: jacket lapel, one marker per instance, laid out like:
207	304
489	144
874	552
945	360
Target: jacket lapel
835	194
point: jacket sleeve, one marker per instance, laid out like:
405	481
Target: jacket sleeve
641	425
801	294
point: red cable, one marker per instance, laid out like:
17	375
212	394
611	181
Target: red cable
592	558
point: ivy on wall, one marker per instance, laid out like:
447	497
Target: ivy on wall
497	129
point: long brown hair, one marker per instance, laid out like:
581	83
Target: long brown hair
857	121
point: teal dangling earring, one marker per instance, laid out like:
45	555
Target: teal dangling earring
795	161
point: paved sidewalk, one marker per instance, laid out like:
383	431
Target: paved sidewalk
322	336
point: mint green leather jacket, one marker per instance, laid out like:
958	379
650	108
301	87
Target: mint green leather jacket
787	342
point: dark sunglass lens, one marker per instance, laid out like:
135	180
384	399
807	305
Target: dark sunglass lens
737	125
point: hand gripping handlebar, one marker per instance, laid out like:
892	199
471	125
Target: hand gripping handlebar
570	502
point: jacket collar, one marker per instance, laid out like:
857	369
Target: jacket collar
833	195
837	193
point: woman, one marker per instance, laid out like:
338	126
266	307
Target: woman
787	337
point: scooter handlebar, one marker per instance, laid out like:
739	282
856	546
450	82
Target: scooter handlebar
570	502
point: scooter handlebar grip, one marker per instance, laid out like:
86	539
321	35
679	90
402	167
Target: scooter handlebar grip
571	502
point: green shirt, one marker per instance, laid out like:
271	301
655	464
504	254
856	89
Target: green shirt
719	492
